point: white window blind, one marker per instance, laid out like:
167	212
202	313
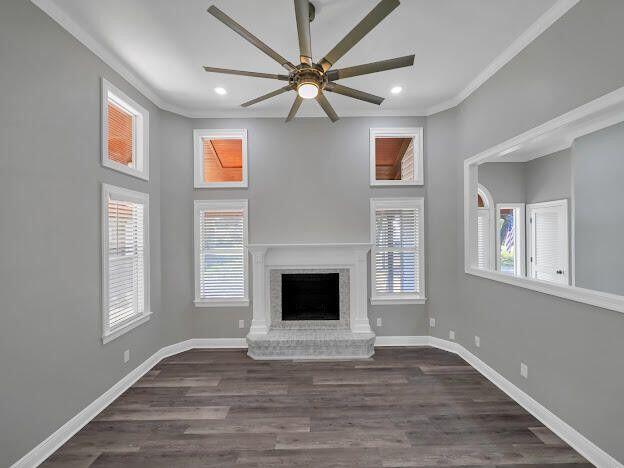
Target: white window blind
221	239
125	258
548	248
397	253
484	239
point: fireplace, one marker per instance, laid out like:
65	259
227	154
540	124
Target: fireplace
310	296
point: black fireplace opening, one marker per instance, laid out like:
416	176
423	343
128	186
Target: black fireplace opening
310	296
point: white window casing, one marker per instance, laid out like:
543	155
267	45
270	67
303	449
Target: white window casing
140	131
397	255
221	258
199	135
413	160
125	260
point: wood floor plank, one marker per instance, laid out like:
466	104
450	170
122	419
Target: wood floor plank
403	407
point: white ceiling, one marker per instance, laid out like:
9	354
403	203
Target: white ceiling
161	46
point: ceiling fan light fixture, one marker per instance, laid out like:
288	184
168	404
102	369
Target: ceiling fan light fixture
308	90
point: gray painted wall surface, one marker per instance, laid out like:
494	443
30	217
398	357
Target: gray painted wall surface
599	211
549	178
573	351
505	181
52	361
308	182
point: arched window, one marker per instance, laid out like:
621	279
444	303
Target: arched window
485	229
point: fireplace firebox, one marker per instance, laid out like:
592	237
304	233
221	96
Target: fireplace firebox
310	296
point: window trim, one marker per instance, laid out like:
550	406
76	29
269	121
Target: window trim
119	193
398	132
140	131
220	205
521	251
198	156
398	203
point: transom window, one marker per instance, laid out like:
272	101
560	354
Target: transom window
397	256
221	266
220	158
396	156
125	133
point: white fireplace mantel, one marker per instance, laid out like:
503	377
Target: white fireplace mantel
298	256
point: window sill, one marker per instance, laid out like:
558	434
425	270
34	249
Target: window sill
117	332
398	300
221	303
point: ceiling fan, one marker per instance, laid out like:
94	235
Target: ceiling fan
309	79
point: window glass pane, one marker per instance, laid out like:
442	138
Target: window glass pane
396	272
394	158
222	160
222	255
120	135
125	262
507	238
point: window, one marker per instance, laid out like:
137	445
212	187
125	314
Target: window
510	238
221	253
220	158
125	133
397	255
548	241
485	229
396	156
125	260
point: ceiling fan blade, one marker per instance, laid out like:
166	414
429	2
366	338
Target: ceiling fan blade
294	108
302	13
374	17
329	110
229	22
354	93
227	71
372	67
267	96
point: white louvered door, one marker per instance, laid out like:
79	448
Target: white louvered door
396	254
548	241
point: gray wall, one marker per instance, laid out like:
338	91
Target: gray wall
52	361
574	351
599	211
504	180
308	182
549	178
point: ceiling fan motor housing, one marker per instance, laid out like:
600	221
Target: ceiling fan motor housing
306	74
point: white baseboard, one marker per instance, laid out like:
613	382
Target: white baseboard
576	440
219	343
401	340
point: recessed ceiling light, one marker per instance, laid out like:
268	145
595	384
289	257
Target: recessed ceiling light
396	90
220	91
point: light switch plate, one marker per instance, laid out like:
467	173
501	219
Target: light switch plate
241	324
126	355
477	341
379	322
451	334
524	370
432	322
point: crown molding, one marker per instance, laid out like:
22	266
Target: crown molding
560	8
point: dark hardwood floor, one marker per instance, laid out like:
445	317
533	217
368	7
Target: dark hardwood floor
404	407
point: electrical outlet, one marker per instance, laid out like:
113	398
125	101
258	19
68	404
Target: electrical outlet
524	370
432	322
379	322
241	324
126	355
477	341
451	334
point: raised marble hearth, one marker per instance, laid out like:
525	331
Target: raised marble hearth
311	344
270	337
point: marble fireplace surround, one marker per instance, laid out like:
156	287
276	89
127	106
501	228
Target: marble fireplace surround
272	259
